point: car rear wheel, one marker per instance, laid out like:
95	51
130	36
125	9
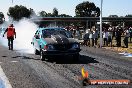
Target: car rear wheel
42	57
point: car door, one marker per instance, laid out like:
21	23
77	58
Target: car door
36	40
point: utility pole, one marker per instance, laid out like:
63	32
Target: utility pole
101	24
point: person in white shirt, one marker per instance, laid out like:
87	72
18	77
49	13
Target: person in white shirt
110	34
105	37
91	37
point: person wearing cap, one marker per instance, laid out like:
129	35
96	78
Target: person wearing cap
10	35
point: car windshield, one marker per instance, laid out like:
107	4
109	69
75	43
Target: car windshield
48	32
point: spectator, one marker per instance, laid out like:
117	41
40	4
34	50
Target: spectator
74	32
110	36
78	33
126	38
105	37
113	32
91	37
10	35
130	31
95	35
118	37
86	38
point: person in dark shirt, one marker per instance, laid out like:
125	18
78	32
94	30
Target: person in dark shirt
118	37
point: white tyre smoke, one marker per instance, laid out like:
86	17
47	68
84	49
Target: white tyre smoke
25	30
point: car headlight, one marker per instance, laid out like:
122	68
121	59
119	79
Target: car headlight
49	47
75	46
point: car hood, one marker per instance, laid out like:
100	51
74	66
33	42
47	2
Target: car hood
59	39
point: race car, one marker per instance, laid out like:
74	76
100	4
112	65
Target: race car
52	42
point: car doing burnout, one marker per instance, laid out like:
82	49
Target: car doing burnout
50	42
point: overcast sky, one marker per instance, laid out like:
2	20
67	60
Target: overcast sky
110	7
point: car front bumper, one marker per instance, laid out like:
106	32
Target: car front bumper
61	53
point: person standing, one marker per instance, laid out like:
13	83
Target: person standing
130	31
10	36
91	39
118	37
110	36
86	38
126	38
105	37
95	34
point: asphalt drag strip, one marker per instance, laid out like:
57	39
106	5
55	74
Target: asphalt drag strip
28	71
4	82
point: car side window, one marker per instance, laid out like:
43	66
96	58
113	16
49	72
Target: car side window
37	35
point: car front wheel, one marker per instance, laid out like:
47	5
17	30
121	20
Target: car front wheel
42	57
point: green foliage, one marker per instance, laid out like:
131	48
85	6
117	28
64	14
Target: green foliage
128	24
18	12
130	15
64	15
87	9
55	12
114	23
49	15
43	14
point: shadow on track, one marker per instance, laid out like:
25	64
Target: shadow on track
64	59
4	56
25	57
68	60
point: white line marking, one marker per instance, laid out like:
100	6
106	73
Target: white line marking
14	61
5	80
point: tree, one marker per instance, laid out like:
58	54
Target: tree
18	12
87	9
128	24
114	23
55	12
62	23
43	14
49	15
64	15
33	14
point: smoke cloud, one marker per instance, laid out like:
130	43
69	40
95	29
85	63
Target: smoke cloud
25	30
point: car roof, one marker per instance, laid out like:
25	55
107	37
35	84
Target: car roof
40	29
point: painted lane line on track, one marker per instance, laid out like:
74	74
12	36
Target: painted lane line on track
4	79
14	61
